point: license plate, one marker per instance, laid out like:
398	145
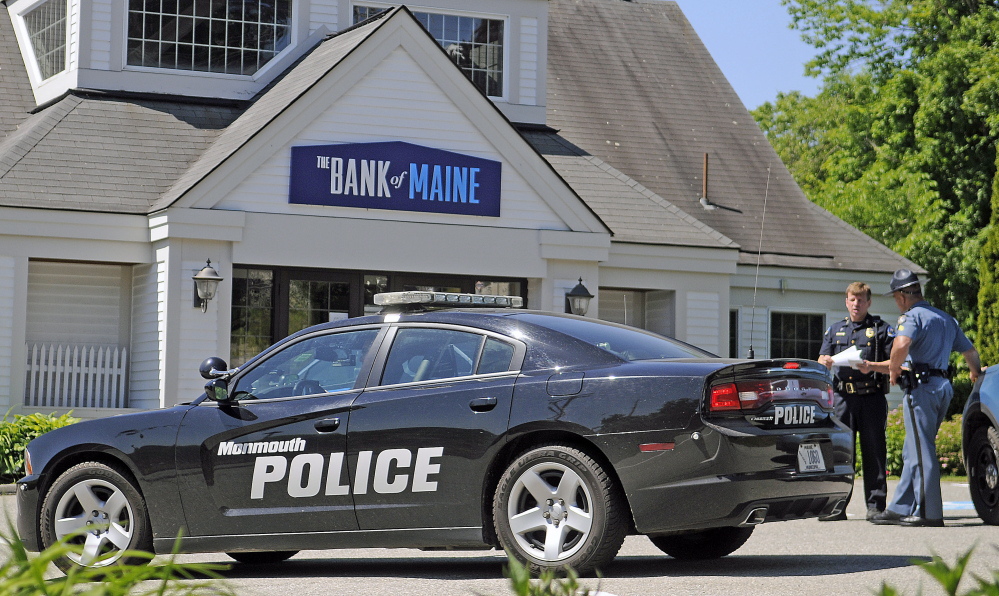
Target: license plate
810	458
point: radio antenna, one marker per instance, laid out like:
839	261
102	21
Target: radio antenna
759	252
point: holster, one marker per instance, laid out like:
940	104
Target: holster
907	380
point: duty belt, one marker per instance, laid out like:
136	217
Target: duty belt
858	387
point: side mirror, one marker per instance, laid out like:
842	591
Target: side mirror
217	390
213	368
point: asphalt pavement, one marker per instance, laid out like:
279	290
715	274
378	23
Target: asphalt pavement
787	558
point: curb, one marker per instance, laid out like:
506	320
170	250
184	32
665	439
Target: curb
8	489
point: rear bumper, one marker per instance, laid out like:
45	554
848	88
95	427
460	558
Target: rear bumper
719	478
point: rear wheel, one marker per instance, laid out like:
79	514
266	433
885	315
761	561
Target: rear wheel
983	473
263	558
555	507
704	544
99	510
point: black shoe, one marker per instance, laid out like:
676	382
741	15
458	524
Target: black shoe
841	516
887	518
872	512
914	521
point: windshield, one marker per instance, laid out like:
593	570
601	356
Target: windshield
624	342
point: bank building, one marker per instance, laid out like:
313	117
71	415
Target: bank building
307	154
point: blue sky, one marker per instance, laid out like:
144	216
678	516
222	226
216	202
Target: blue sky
751	42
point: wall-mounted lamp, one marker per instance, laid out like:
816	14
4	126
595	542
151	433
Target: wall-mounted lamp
578	299
206	282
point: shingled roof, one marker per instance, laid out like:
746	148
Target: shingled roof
16	100
632	212
631	83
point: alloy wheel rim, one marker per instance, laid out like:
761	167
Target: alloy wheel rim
550	511
97	518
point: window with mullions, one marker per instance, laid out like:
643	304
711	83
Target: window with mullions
252	310
795	335
474	44
224	36
46	27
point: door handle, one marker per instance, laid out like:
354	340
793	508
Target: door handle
482	404
328	425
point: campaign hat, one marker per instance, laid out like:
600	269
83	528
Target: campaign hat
903	278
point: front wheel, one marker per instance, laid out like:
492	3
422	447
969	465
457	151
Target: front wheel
97	509
555	508
983	473
704	544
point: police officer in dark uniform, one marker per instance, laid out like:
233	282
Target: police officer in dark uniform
860	396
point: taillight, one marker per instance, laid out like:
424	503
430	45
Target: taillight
724	397
749	395
27	463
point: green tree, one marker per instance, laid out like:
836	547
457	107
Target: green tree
988	292
901	139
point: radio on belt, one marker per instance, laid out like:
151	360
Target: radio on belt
445	299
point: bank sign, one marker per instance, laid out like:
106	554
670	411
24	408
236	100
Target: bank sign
395	175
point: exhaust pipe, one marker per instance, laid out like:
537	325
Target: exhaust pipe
756	517
838	508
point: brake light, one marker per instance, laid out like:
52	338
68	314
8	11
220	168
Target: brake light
792	365
724	397
749	395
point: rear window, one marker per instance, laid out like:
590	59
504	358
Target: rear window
624	342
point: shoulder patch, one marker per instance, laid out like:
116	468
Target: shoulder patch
891	331
901	319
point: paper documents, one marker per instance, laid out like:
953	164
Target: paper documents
849	357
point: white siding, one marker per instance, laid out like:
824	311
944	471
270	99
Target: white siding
73	303
161	316
198	337
703	320
660	312
100	34
324	13
396	101
144	386
8	282
73	41
754	331
529	61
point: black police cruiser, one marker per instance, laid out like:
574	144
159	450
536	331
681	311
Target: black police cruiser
552	436
981	445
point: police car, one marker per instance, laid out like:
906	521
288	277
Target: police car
451	421
981	445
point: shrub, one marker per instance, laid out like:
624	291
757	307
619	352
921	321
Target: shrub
547	584
948	445
15	435
21	575
949	577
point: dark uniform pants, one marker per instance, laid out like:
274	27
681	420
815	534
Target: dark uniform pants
867	415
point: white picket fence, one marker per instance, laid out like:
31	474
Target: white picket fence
76	376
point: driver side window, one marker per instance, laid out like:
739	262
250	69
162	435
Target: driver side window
316	365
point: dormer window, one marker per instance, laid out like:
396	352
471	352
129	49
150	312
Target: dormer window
46	27
223	36
474	43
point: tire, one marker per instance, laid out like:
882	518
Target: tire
703	544
983	473
556	508
97	508
263	558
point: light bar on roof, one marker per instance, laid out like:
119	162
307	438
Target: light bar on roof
447	299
